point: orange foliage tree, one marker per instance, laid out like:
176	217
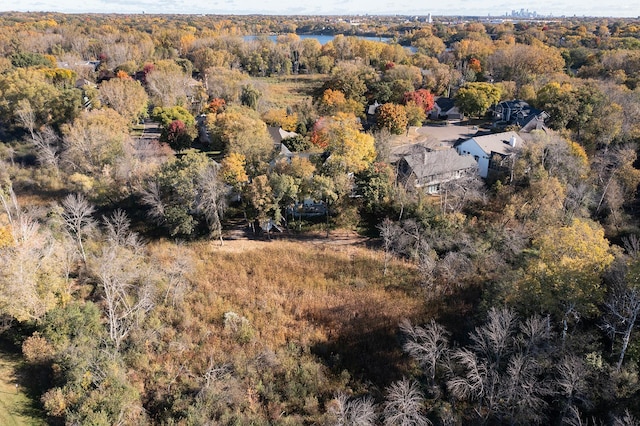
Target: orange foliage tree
422	98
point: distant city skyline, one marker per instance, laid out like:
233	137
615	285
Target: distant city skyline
497	8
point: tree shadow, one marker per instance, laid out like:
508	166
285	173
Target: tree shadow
364	342
28	379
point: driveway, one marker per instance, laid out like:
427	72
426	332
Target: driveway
434	137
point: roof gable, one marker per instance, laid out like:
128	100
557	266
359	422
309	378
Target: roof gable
433	163
498	142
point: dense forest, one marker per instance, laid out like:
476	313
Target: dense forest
203	220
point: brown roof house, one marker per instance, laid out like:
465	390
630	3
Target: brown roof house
422	168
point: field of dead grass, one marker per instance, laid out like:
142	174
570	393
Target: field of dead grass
330	299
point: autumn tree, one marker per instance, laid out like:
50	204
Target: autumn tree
51	105
351	80
169	85
94	142
233	171
392	117
240	129
225	83
563	276
422	98
178	126
126	96
334	101
523	62
279	117
350	149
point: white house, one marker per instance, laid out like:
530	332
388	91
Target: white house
484	148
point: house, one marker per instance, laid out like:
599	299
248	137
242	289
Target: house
427	169
484	150
518	113
371	109
278	134
445	109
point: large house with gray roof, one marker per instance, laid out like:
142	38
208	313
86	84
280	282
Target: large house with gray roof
426	169
490	151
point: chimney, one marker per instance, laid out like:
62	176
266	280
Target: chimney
512	141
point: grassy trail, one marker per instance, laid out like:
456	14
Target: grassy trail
15	406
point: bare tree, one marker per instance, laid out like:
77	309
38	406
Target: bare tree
427	344
152	197
631	244
571	385
622	310
78	220
118	231
354	412
404	405
500	372
495	339
126	290
46	143
388	232
626	420
176	275
29	271
211	199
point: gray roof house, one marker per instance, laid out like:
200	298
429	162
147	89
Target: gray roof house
445	108
518	113
489	148
427	169
278	134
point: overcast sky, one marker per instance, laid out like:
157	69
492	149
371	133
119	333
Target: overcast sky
617	8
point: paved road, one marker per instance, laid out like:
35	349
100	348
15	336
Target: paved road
151	131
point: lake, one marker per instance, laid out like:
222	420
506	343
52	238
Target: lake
323	39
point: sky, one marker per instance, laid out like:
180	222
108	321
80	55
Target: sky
614	8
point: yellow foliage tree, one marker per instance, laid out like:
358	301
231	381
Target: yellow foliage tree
351	149
279	118
564	276
233	170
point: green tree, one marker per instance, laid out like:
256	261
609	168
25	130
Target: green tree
173	192
250	96
474	99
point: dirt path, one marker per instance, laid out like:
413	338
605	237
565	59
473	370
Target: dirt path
240	238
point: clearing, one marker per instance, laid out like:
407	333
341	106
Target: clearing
16	408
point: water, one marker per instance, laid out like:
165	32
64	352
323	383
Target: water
323	39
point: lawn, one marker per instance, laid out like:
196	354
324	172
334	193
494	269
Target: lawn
15	406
